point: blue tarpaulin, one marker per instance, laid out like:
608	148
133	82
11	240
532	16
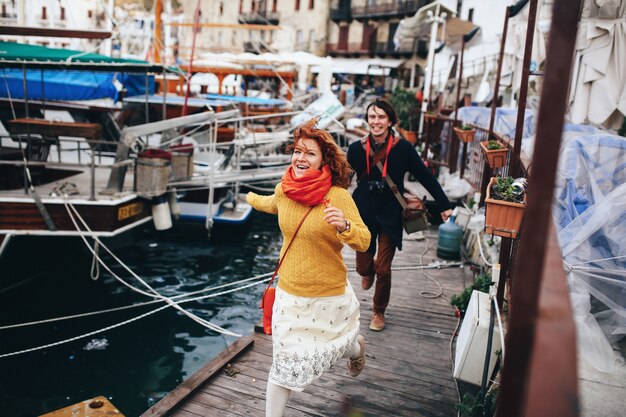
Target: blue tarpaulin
70	85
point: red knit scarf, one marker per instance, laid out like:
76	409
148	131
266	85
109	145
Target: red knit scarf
309	189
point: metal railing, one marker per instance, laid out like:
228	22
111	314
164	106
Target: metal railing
394	9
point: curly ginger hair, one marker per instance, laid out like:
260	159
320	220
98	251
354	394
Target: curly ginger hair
332	155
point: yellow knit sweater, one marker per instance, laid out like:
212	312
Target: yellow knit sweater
313	266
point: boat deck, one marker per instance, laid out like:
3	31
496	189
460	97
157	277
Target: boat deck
408	368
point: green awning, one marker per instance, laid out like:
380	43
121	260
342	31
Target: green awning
17	55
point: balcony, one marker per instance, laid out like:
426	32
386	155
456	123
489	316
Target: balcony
398	9
384	49
8	19
255	47
354	49
260	18
341	13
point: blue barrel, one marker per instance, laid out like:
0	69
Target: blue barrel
450	238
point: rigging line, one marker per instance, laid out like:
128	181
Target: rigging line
155	294
261	279
27	280
194	317
599	260
598	269
113	326
6	83
182	136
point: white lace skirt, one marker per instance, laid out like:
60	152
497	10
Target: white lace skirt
310	335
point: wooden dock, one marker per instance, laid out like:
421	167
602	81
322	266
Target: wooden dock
408	369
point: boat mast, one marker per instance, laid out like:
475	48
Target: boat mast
157	39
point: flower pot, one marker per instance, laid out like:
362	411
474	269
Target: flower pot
496	158
465	135
408	134
503	218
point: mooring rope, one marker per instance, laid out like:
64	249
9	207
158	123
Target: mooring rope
82	336
258	279
155	294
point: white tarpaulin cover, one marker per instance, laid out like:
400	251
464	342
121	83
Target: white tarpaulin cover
327	106
514	47
362	66
590	214
598	90
418	26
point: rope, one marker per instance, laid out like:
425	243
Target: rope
258	279
598	260
71	339
6	83
65	188
256	188
430	294
95	265
154	294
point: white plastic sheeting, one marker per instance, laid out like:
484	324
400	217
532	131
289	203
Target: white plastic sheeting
590	214
504	122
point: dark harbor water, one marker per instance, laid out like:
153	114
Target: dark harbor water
136	364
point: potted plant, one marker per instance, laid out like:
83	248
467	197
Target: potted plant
495	152
504	206
407	108
465	133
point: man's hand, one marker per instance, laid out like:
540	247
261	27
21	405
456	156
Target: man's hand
445	215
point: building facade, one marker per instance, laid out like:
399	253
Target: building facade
56	14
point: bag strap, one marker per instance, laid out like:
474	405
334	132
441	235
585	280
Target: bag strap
378	157
280	262
389	181
393	188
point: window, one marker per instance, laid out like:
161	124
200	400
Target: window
470	15
90	13
274	6
240	6
297	4
311	4
311	39
221	8
299	39
253	6
4	10
44	13
62	13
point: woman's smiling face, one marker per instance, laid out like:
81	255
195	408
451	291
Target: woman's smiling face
307	154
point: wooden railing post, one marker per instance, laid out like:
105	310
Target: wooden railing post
527	345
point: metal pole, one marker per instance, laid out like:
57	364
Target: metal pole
496	88
456	105
523	91
429	73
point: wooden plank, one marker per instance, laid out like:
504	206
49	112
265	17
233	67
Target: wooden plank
94	407
54	128
408	370
54	33
166	404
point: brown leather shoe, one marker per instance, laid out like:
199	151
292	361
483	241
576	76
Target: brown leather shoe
367	282
378	322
